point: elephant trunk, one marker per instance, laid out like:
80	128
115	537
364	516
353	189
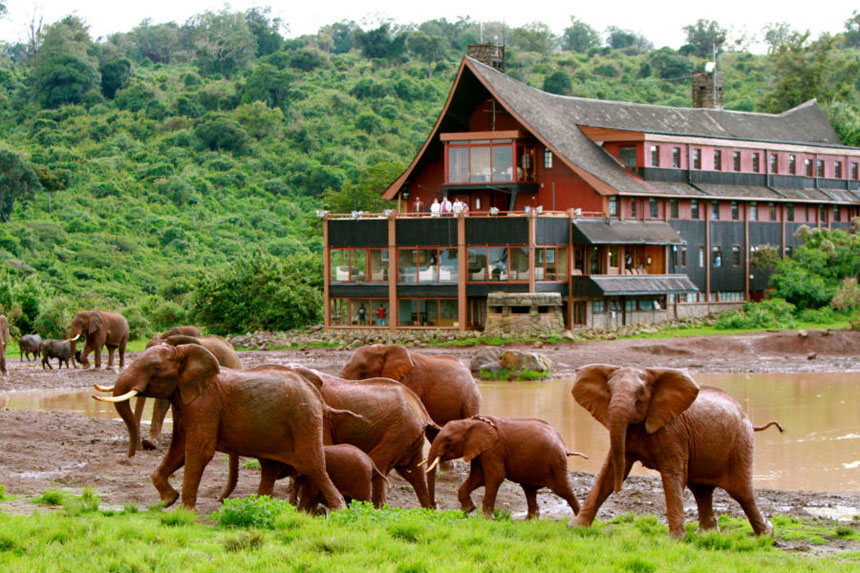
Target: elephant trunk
619	418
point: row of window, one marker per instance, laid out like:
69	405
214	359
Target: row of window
679	255
439	312
696	208
812	166
630	304
435	264
483	161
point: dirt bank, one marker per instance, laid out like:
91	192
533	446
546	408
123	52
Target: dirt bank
41	450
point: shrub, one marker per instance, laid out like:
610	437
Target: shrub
55	317
251	511
50	497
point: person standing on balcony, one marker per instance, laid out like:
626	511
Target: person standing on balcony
446	206
418	206
435	207
457	207
380	315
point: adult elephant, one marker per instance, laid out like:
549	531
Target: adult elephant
222	351
443	384
278	418
392	428
187	330
698	437
4	342
100	329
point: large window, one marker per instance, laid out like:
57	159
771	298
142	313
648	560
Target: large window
482	161
774	163
697	158
736	160
756	162
498	264
717	256
736	255
613	206
735	211
427	312
694	208
819	168
753	211
359	265
679	253
789	211
426	265
655	156
808	165
628	156
771	210
715	210
792	164
652	208
718	160
359	312
676	157
837	169
550	264
673	208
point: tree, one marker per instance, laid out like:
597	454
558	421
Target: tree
579	37
704	36
160	44
533	37
18	181
366	193
115	70
342	35
852	30
223	43
66	70
268	84
266	31
383	42
428	48
557	82
775	34
619	39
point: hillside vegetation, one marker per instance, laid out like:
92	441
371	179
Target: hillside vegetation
173	170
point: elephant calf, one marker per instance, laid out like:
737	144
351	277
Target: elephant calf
529	452
59	349
30	344
352	472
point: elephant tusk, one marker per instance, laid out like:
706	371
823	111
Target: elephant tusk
423	462
127	396
73	339
433	465
103	388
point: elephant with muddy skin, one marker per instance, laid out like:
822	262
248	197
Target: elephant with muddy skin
100	329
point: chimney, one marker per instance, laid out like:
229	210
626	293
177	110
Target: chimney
708	89
491	54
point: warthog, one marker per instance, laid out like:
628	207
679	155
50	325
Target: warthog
59	349
30	344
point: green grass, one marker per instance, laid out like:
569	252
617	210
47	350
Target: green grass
505	374
679	331
272	535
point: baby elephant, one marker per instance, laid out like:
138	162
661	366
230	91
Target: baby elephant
352	472
30	344
526	451
59	349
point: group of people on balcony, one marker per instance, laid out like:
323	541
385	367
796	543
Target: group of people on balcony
444	208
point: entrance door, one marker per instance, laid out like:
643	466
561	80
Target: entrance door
579	318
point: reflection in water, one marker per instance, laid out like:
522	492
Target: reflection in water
820	450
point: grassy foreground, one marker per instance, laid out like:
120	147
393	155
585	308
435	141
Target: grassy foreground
263	534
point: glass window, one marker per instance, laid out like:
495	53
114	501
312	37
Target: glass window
477	264
614	256
756	162
448	312
338	307
479	164
519	266
628	156
652	206
594	261
717	256
647	304
358	269
837	213
771	209
655	156
735	211
702	256
822	214
694	208
339	265
547	159
736	160
718	160
697	158
503	163
676	157
819	168
526	164
633	206
458	164
497	263
630	304
579	259
598	306
753	211
736	255
774	163
359	312
428	265
378	265
854	171
715	210
550	264
808	164
407	266
837	169
561	263
673	208
792	164
789	211
448	268
613	206
679	253
379	312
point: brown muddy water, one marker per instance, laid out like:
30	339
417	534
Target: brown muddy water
820	450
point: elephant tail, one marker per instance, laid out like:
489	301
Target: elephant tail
576	454
331	413
768	425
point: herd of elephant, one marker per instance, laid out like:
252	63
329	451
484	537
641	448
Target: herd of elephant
340	436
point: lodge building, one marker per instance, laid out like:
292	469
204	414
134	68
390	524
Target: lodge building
627	213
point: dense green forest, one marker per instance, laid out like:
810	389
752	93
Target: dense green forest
173	171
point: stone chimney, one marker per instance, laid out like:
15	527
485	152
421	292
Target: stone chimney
708	89
491	54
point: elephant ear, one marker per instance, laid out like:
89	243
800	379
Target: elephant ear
396	362
311	376
591	390
672	392
180	339
197	368
480	437
95	323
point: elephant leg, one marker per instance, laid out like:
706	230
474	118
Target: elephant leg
159	412
311	464
704	495
602	488
493	478
111	350
197	457
172	461
560	486
415	476
139	404
745	496
269	472
673	489
232	477
98	354
531	501
122	353
473	482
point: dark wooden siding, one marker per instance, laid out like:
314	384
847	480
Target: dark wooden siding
694	233
483	289
763	233
357	233
497	231
552	231
357	291
440	231
727	234
426	291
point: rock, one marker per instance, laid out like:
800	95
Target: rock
803	334
486	358
517	361
812	356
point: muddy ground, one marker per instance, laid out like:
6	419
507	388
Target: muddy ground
42	450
